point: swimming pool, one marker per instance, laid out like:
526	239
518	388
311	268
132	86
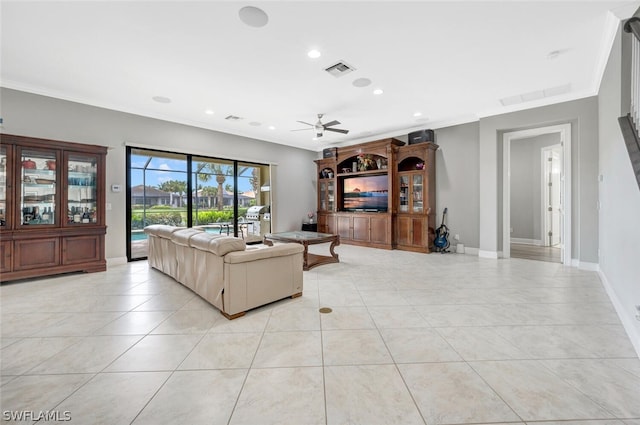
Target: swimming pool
139	235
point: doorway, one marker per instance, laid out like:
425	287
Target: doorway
536	187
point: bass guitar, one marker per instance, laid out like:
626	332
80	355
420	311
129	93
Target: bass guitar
441	242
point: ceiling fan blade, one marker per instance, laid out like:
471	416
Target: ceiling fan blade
302	129
337	130
302	122
329	124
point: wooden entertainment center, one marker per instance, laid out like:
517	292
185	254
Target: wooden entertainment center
379	194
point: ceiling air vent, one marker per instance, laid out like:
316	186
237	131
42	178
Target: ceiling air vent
535	95
339	69
232	118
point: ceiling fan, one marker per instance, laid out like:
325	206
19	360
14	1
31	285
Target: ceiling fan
320	128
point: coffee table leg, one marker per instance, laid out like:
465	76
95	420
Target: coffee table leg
333	245
305	256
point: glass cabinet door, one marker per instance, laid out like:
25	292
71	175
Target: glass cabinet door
38	187
327	195
3	186
323	199
330	195
417	204
82	197
404	194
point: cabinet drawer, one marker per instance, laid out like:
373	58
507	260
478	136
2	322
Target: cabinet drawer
36	253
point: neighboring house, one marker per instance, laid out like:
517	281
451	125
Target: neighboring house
245	199
149	196
210	201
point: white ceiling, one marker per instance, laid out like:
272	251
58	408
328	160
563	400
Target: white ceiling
452	61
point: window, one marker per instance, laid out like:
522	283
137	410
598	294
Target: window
191	191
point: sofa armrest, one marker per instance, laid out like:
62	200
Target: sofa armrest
280	250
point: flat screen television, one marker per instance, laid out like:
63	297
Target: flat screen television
365	193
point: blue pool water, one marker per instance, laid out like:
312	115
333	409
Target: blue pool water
141	236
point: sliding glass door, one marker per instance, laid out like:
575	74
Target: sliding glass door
193	191
213	195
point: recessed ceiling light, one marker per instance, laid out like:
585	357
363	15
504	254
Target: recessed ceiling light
313	54
361	82
417	114
161	99
378	91
253	16
271	127
209	112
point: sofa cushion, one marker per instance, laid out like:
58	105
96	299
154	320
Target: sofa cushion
278	250
181	237
226	244
202	240
162	230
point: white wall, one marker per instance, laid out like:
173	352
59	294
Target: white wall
619	214
582	114
39	116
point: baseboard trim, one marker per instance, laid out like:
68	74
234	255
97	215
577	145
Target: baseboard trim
584	265
536	242
627	322
116	261
471	251
487	254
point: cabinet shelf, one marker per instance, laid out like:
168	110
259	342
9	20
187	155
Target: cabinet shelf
364	173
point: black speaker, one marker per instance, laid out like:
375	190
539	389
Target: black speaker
421	136
329	152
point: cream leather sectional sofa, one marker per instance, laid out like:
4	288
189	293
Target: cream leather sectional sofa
223	270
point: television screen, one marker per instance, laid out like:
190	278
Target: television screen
367	193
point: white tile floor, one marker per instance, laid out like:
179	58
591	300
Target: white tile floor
412	339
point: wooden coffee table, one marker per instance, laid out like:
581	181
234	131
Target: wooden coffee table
306	239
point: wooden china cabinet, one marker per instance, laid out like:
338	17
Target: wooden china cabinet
52	207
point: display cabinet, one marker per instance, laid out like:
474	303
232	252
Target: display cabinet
5	181
414	221
410	193
327	195
52	203
326	185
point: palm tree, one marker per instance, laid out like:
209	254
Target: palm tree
255	180
206	170
209	192
174	186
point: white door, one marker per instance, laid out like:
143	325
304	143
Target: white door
553	196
